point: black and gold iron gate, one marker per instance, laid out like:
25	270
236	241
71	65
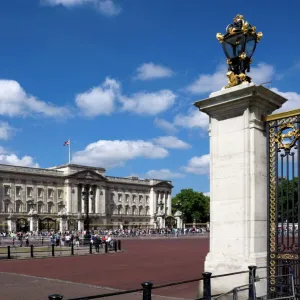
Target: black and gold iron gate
283	132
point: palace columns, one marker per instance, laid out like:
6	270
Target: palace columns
97	200
169	202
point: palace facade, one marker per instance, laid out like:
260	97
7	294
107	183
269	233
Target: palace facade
76	197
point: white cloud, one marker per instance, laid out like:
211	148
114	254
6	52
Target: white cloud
15	102
144	103
165	125
171	142
5	131
12	159
293	100
207	83
206	194
106	7
99	100
114	153
163	174
150	71
193	119
198	165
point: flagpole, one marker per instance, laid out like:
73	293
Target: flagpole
69	150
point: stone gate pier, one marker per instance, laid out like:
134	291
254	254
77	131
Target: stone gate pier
238	181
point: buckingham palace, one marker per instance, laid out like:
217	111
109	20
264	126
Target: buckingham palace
76	197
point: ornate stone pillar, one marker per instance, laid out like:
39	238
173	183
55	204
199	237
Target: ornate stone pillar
238	181
74	198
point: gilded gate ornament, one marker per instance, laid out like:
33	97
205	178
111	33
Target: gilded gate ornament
287	140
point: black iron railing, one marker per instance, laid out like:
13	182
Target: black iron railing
286	287
11	252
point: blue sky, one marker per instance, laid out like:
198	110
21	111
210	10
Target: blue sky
120	77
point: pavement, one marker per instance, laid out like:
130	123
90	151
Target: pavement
160	261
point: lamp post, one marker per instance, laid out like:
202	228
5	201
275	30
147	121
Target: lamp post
239	44
86	194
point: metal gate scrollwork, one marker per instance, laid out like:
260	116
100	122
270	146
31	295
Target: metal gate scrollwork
283	132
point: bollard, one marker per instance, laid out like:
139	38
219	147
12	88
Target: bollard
31	250
115	246
252	271
8	252
53	250
119	245
147	290
72	249
91	248
206	285
106	247
55	297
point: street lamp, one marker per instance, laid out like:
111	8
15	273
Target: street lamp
239	44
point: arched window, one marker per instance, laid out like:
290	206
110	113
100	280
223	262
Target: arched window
40	207
134	211
120	209
18	206
127	210
6	206
141	211
50	208
147	210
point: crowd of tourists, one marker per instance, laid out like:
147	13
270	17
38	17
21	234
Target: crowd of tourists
95	237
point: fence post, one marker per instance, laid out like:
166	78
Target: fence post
55	297
72	249
106	247
91	249
31	250
8	252
115	246
206	285
119	245
252	271
147	290
53	250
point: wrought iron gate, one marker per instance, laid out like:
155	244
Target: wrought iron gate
283	132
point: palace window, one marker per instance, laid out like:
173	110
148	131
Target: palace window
147	199
50	193
140	210
127	210
120	210
6	206
40	192
120	197
60	207
134	212
6	190
140	199
29	191
50	208
127	198
40	207
147	211
60	194
18	206
18	191
133	198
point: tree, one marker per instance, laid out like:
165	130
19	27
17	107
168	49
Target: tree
194	205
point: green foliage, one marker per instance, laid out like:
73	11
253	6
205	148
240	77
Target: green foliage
287	204
193	205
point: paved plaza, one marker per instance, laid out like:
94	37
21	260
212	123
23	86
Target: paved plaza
157	260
